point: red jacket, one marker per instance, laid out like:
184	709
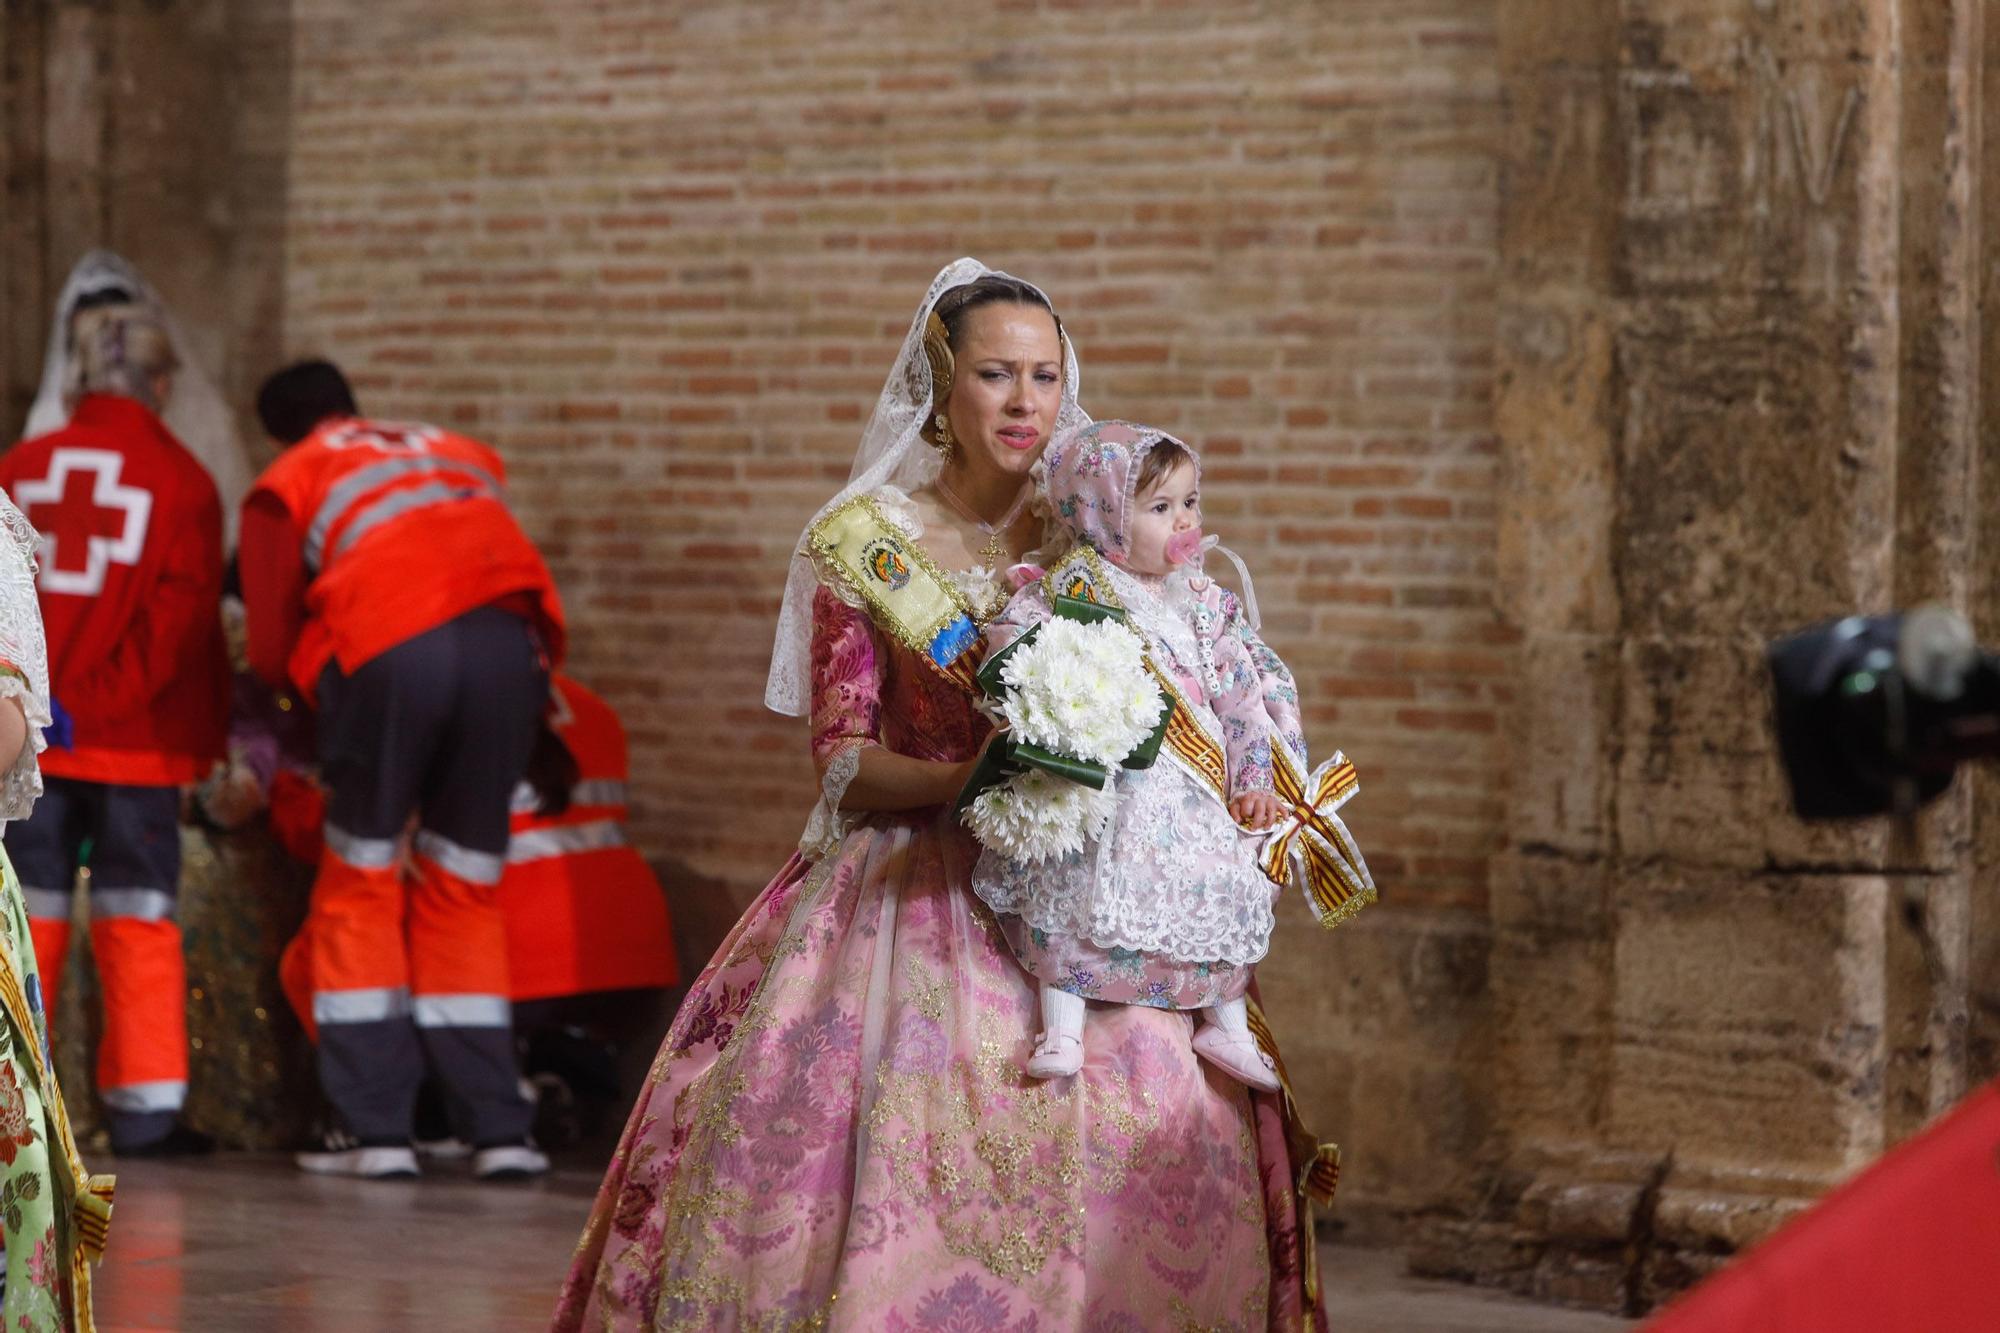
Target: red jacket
366	534
584	911
131	593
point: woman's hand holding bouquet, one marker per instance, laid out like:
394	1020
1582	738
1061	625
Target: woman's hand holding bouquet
1076	697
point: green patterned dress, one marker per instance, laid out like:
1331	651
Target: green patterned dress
53	1214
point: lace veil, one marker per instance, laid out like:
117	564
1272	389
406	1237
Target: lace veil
22	647
891	454
196	411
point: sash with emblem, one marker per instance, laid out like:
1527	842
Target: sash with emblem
908	595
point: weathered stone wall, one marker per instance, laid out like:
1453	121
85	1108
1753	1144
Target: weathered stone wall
1742	257
161	131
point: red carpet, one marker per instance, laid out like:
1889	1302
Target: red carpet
1912	1245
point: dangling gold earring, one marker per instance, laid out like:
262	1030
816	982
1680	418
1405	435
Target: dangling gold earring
937	349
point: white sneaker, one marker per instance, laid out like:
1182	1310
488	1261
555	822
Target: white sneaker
343	1155
1057	1055
509	1161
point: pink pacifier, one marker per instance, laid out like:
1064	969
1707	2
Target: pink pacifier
1183	546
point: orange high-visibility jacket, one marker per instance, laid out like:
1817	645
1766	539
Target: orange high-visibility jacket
366	534
584	911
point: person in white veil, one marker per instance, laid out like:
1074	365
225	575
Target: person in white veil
907	452
129	587
197	413
837	1133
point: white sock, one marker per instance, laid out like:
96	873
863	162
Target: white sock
1062	1013
1232	1016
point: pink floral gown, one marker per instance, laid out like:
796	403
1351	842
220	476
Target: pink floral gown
838	1134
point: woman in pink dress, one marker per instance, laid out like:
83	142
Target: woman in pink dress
838	1132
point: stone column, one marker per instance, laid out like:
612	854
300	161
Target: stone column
1742	257
159	128
24	176
1983	916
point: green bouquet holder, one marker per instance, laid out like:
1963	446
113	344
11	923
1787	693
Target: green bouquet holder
1007	757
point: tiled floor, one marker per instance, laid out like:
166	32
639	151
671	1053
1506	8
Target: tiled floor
244	1243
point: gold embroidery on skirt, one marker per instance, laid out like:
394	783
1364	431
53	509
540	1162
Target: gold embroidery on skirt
1007	1199
695	1208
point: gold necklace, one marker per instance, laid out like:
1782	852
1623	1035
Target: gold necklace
995	532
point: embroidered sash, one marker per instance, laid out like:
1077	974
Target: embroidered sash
908	595
1194	748
1082	577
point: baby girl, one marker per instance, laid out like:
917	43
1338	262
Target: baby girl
1169	907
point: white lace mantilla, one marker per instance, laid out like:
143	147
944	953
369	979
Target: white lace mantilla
892	451
22	645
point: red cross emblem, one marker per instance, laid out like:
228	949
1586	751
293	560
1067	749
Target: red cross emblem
88	521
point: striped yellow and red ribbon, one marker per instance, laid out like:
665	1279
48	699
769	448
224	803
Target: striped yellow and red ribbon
1311	847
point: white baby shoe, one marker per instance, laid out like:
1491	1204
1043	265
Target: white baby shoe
1236	1054
1057	1055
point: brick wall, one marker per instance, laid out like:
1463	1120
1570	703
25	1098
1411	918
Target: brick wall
662	256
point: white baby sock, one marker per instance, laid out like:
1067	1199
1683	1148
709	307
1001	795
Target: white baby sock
1232	1016
1062	1013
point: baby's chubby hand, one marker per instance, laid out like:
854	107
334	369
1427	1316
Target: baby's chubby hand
1256	810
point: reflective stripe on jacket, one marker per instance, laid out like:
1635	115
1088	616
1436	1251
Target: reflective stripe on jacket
367	533
584	911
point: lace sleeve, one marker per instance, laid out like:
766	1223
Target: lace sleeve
847	674
24	660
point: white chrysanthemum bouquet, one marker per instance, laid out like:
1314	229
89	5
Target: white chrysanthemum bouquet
1036	816
1078	699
